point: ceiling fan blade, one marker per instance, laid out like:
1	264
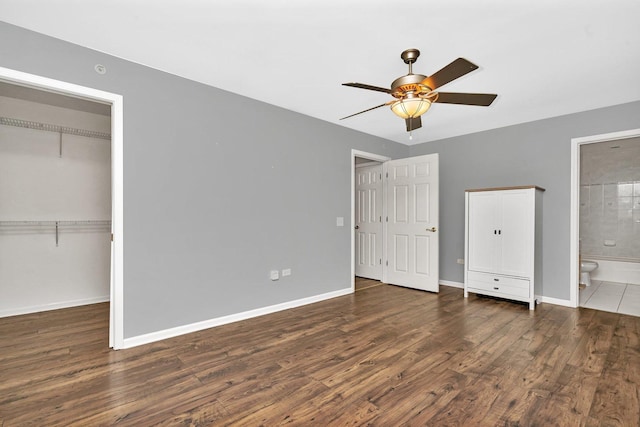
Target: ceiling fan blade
481	99
369	87
457	68
413	124
364	111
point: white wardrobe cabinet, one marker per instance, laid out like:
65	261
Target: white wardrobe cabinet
503	241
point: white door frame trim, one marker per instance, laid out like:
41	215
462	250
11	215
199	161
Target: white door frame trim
574	227
364	155
116	317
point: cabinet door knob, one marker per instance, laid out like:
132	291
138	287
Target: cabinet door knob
432	229
357	227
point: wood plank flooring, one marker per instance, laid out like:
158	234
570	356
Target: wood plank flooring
384	356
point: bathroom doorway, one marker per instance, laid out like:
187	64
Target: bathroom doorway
607	222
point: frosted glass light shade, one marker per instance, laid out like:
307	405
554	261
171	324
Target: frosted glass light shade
410	107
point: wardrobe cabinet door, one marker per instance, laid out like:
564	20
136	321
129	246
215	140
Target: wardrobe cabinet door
516	233
483	237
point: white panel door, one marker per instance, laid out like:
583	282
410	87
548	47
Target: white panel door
412	222
368	232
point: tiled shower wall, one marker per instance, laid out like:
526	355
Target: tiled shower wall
610	199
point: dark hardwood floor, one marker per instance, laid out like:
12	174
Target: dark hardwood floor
384	356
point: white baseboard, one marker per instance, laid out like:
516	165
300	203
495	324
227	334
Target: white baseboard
556	301
452	284
52	306
219	321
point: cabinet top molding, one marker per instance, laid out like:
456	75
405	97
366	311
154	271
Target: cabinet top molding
521	187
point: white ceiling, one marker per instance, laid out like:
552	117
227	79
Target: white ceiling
543	58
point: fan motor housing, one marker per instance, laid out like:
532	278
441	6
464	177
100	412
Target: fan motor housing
409	83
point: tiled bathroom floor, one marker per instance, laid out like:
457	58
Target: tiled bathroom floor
610	296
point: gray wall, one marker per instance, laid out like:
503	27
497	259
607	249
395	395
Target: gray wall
536	153
214	200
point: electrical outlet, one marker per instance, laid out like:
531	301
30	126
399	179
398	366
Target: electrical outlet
460	261
286	272
274	275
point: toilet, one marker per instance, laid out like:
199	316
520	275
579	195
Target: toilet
586	267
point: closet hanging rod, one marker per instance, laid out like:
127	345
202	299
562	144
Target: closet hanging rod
53	128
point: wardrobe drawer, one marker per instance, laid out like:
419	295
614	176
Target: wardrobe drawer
498	279
495	283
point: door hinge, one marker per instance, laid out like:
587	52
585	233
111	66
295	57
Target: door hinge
380	218
112	237
380	261
387	219
387	262
380	176
387	174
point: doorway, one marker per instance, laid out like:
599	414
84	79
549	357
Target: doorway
409	219
368	222
361	157
576	144
116	317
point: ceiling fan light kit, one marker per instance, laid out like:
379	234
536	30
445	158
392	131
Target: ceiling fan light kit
414	93
410	107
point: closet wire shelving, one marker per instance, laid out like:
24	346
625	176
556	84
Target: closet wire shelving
8	121
20	227
55	226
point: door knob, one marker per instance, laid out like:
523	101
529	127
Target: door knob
357	227
432	229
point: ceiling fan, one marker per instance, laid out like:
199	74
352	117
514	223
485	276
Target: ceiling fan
414	93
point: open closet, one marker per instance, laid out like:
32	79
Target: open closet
55	201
